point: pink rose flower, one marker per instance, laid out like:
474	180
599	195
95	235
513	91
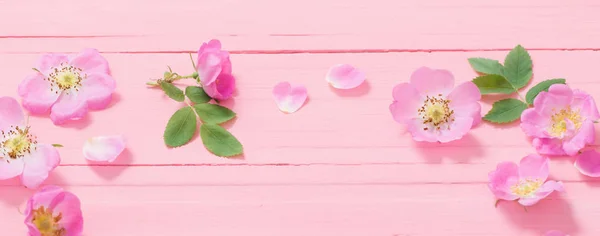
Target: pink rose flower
432	109
20	153
525	182
68	86
53	211
561	121
214	70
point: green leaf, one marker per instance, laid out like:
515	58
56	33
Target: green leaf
181	127
517	67
486	66
506	110
172	91
542	86
213	114
493	84
219	141
196	94
57	145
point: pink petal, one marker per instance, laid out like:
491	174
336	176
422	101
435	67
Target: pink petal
209	67
289	99
38	165
10	169
344	76
10	113
432	82
534	167
464	100
47	61
555	233
548	146
406	103
559	96
585	135
545	190
458	129
104	148
222	88
501	179
97	90
71	106
211	46
533	124
36	94
588	163
586	104
416	129
60	202
90	61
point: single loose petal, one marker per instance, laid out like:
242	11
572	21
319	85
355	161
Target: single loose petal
10	113
501	179
344	76
545	190
38	165
432	82
90	61
555	233
406	103
534	166
104	148
11	169
37	95
289	99
588	163
71	106
97	90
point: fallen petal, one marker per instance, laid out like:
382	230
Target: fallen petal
588	163
344	76
289	99
104	148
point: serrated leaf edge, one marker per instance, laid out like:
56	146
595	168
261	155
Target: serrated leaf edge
237	154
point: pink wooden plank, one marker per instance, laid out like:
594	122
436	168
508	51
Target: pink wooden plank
331	128
434	209
332	25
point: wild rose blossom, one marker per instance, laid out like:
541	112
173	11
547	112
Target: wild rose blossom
525	182
214	70
54	212
561	121
432	109
20	152
68	86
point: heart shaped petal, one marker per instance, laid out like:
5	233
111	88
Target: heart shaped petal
344	76
588	163
104	148
289	98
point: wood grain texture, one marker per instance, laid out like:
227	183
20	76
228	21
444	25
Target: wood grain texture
340	165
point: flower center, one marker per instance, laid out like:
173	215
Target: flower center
526	187
16	142
559	121
436	113
65	77
46	223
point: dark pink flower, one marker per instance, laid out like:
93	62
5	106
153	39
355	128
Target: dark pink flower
214	70
54	212
68	86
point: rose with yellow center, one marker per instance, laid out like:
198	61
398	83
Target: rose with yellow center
47	223
54	212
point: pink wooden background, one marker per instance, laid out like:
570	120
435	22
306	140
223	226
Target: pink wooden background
340	165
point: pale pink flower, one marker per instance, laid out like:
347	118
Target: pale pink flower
432	109
344	76
561	121
20	153
214	70
68	86
53	212
104	148
289	98
525	182
588	163
555	233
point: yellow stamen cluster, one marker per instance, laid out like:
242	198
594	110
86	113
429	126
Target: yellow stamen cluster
47	223
436	112
559	121
526	187
64	78
16	142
